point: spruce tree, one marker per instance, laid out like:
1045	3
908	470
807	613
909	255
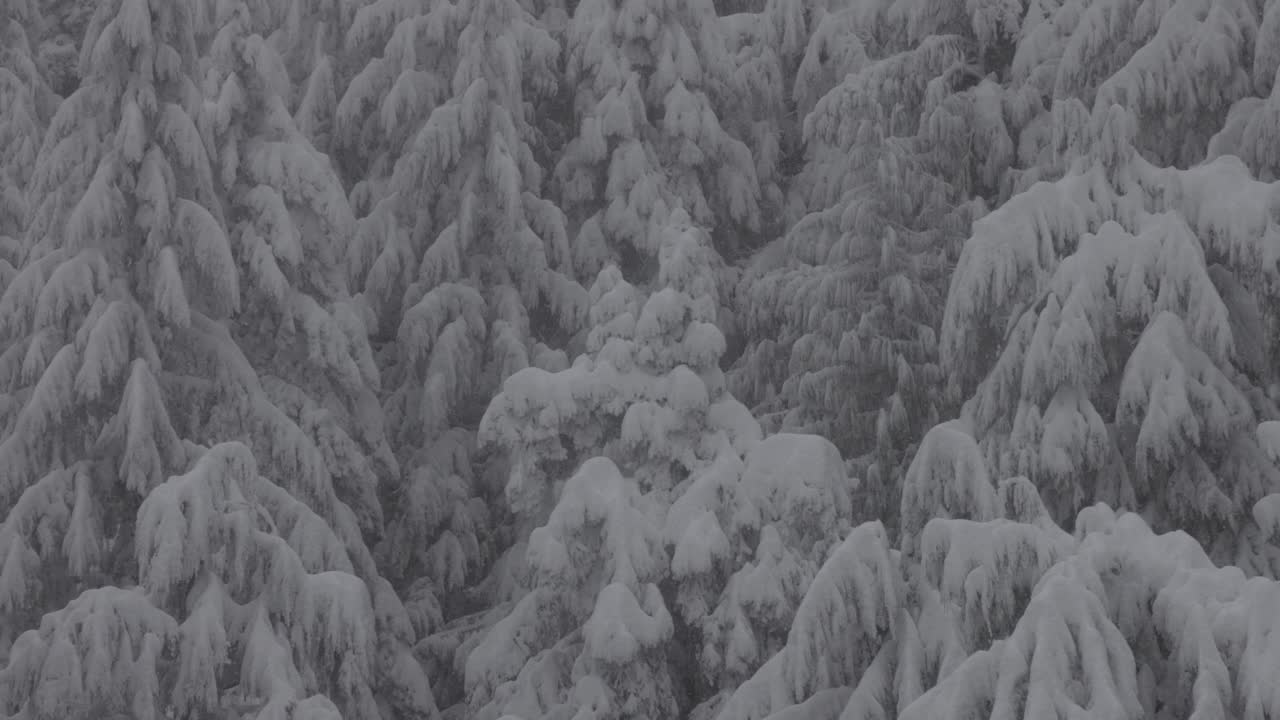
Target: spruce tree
180	529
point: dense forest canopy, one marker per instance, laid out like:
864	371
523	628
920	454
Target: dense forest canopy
639	359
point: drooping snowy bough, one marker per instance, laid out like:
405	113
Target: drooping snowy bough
1007	615
177	505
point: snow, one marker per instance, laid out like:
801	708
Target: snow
170	294
850	608
701	544
179	520
984	567
203	651
1162	376
768	591
59	663
824	705
693	520
947	478
599	496
307	412
505	647
795	480
1266	513
210	253
106	354
622	625
72	287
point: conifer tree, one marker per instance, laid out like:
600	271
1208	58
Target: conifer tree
650	398
179	527
309	36
991	610
653	81
57	43
29	104
742	516
843	310
462	267
1131	385
411	53
292	221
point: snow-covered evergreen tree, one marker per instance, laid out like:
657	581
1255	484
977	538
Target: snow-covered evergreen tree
650	397
1135	366
902	133
592	632
644	395
29	104
1248	130
411	52
305	411
1114	330
1128	624
309	35
293	223
178	525
58	42
992	610
791	505
654	81
462	267
851	609
758	111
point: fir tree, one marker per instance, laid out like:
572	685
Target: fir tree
185	524
653	81
462	267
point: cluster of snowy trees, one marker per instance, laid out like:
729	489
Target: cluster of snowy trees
639	359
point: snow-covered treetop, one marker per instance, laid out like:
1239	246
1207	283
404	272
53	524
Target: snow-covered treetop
124	332
652	79
1119	301
29	103
650	392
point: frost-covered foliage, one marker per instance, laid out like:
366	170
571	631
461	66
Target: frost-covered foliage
305	337
460	211
461	258
463	268
591	633
653	80
841	313
306	410
631	618
173	562
1249	130
1112	326
235	579
411	51
1191	61
28	104
760	111
1003	614
852	608
649	393
1129	624
941	102
1138	310
947	479
791	504
309	37
709	532
58	40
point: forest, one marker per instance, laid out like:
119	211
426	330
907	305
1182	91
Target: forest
639	360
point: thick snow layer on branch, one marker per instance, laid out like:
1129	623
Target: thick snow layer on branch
798	483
